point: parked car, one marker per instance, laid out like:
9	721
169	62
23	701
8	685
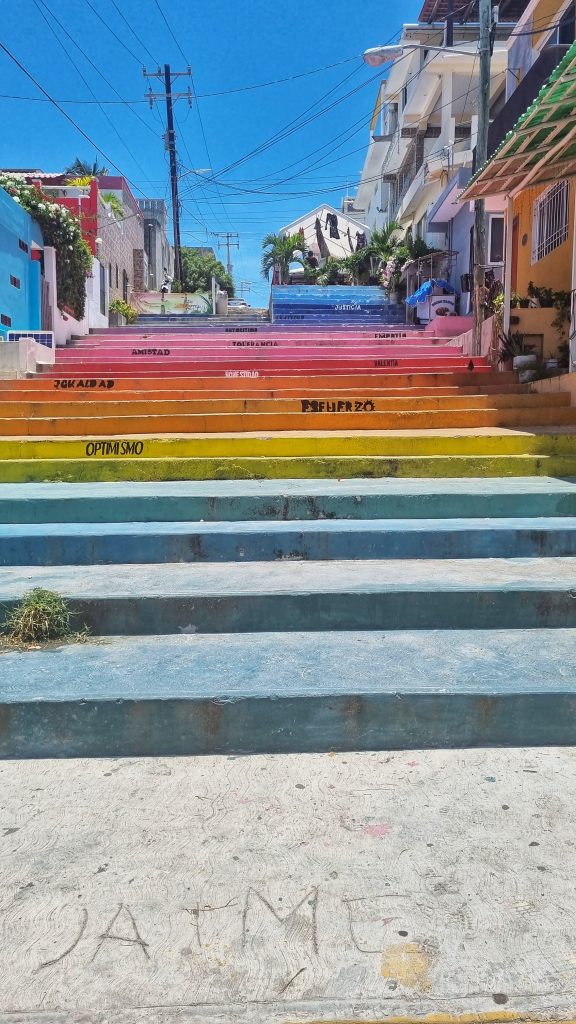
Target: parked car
237	303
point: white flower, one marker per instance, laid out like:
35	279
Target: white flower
15	198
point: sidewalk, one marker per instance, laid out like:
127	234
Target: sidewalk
299	888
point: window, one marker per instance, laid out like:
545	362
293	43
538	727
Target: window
116	275
6	320
110	274
404	96
550	220
23	245
14	281
125	286
496	240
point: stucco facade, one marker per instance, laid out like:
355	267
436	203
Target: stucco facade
20	279
551	271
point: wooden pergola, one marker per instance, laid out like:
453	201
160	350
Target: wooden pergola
540	148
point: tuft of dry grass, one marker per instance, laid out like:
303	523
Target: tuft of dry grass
41	617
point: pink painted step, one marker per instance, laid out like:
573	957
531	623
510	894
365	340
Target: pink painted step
176	369
182	352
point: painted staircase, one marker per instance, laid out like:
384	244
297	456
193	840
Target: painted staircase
321	538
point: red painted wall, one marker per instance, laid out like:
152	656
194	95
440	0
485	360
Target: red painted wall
86	208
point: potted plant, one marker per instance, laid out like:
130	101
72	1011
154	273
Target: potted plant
543	297
511	349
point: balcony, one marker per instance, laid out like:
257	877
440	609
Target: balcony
525	93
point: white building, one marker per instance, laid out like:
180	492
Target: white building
423	134
328	232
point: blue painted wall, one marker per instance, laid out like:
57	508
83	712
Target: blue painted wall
23	304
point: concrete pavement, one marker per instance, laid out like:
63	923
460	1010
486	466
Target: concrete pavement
301	888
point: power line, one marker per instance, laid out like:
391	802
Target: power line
97	69
203	133
163	16
293	126
133	31
112	32
286	129
198	96
86	83
67	116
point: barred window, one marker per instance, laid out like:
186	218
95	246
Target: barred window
550	220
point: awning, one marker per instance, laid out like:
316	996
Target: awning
541	147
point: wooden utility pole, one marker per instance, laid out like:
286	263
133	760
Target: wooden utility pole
231	238
481	157
170	138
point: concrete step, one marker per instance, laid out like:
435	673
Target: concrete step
313	540
311	417
236	381
273	501
42	399
341	467
129	405
290	444
289	596
283	692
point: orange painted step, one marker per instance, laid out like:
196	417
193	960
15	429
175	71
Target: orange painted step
86	383
410	400
247	422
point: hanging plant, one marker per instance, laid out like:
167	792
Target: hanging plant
61	230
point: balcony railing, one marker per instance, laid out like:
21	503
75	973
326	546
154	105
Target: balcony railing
524	94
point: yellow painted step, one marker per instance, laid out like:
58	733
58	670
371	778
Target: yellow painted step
338	467
297	443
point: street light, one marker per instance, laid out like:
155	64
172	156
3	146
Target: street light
378	55
195	170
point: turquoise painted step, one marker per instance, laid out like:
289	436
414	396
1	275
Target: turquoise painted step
123	543
274	500
289	596
280	692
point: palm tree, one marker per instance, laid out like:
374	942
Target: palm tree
82	169
278	252
384	241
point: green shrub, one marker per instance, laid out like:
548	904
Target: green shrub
125	310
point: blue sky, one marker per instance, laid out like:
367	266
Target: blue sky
230	45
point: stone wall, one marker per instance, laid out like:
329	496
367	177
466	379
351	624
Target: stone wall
122	239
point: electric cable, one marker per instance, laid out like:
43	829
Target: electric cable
97	69
133	31
87	84
55	103
112	32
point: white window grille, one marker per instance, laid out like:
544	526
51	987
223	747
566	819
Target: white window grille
550	220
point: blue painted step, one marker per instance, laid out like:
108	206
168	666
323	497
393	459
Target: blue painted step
273	500
294	596
123	543
279	692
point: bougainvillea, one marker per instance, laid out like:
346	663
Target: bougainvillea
61	230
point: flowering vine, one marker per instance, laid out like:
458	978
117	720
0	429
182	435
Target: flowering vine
61	230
